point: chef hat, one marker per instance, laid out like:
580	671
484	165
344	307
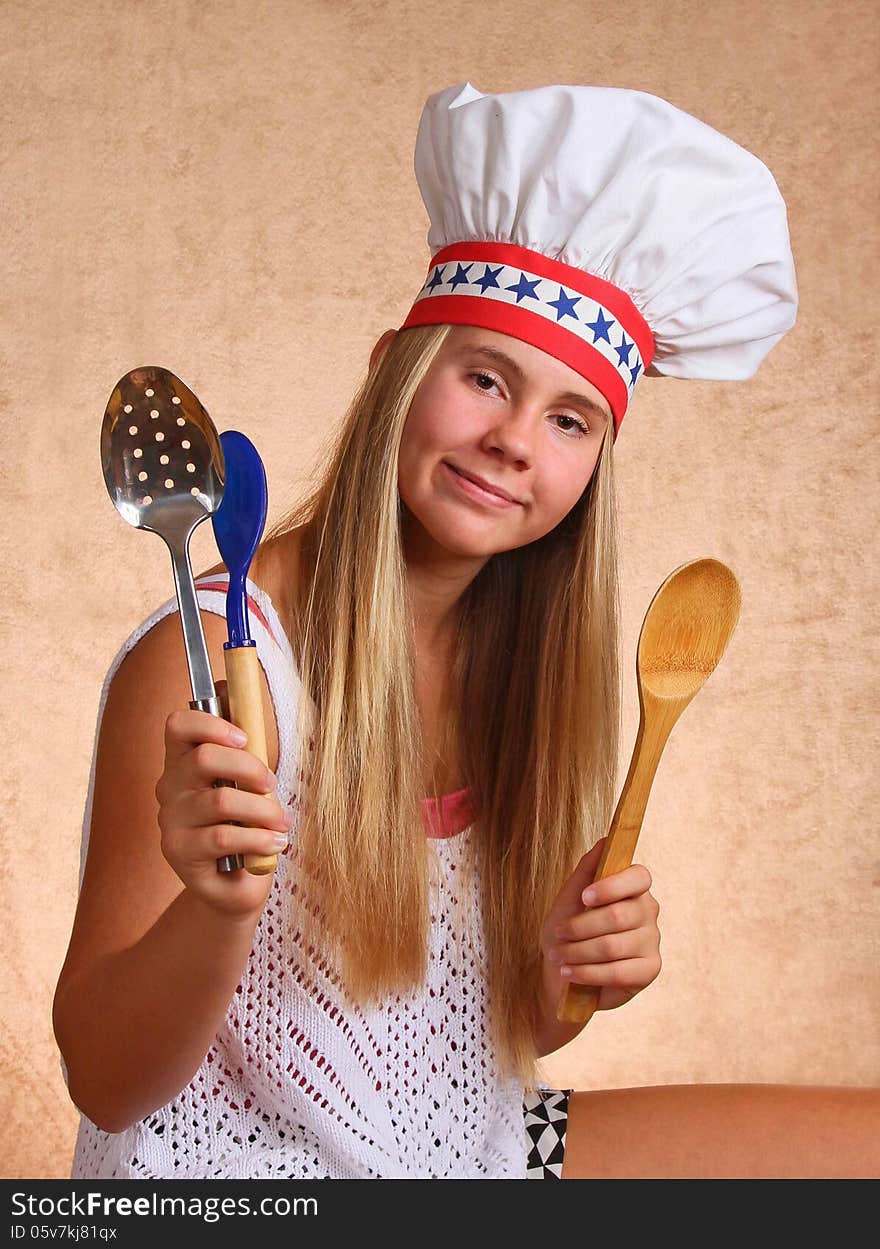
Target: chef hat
606	227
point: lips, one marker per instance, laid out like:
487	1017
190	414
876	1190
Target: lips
488	486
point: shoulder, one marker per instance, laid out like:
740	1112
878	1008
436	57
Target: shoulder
275	568
151	681
156	666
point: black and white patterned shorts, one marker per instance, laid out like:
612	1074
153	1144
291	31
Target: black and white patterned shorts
546	1118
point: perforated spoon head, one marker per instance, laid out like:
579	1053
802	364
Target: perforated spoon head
686	629
160	454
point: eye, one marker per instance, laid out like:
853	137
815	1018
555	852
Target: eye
564	416
484	377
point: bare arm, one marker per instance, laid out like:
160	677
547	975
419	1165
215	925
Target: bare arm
153	962
135	1024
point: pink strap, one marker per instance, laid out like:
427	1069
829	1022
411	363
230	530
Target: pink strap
253	606
452	814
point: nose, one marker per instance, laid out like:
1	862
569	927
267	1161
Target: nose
513	434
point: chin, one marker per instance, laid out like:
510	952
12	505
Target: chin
460	541
467	546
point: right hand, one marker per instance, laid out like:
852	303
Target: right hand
198	820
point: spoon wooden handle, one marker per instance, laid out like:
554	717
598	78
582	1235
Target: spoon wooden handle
245	698
578	1001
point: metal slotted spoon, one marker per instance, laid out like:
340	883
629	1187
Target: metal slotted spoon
163	468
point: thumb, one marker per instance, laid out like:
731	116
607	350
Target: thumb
569	898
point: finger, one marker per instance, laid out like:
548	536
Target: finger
208	762
629	883
624	916
184	728
225	805
205	845
630	973
609	948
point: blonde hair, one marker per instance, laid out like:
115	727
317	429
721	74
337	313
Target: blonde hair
536	658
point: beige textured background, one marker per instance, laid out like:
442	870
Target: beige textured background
226	189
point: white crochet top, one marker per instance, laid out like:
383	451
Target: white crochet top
299	1082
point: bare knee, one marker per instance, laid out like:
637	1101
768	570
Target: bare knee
723	1131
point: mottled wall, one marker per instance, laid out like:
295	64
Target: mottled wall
226	189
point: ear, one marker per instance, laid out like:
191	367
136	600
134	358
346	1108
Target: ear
379	350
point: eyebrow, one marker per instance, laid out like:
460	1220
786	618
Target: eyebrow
501	357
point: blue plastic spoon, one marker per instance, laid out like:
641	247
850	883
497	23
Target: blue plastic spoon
238	526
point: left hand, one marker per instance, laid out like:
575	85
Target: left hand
612	943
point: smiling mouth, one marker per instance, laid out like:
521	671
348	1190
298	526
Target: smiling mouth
475	491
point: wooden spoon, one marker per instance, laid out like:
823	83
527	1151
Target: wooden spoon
684	634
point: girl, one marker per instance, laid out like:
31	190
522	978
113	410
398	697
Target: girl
437	627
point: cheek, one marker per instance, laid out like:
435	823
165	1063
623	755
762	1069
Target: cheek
418	452
438	417
415	447
436	425
563	484
557	492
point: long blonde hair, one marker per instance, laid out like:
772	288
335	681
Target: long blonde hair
536	659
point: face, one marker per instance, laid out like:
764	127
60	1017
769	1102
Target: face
522	422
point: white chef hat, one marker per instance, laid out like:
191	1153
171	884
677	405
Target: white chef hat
606	227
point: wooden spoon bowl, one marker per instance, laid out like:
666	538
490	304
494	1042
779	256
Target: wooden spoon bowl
684	634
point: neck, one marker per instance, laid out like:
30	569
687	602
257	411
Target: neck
436	579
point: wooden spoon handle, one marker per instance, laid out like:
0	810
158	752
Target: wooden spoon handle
578	1001
246	711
